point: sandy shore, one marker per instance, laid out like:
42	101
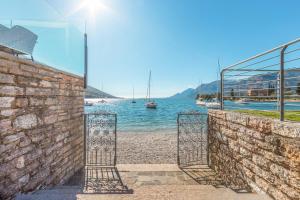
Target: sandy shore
146	148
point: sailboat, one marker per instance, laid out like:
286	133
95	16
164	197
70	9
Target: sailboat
133	101
215	103
150	104
200	100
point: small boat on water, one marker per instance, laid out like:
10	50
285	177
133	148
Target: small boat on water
200	102
88	103
213	104
102	101
150	104
133	101
243	101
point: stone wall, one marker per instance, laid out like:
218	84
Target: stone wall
41	125
256	153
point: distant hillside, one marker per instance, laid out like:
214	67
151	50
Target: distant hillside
212	87
186	93
208	88
92	92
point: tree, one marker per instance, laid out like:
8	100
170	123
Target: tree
298	89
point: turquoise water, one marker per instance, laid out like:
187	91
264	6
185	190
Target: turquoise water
137	118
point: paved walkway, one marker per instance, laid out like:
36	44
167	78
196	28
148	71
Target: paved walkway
138	182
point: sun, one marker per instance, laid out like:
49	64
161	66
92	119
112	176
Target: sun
91	7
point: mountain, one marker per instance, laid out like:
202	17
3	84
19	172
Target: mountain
208	88
186	93
91	92
262	82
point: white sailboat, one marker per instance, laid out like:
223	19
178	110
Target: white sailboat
133	101
150	104
200	101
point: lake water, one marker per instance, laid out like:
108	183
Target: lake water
135	117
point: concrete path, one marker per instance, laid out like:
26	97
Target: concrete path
137	182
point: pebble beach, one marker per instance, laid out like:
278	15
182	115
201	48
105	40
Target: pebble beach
147	148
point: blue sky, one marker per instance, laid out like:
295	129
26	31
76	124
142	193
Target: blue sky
180	40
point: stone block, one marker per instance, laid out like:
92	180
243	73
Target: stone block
27	121
261	161
11	90
7	78
8	63
8	112
283	173
6	102
28	68
38	91
27	81
34	101
5	125
50	119
277	194
20	162
24	179
12	138
24	141
51	101
21	102
286	129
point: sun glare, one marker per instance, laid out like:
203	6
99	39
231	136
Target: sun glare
91	7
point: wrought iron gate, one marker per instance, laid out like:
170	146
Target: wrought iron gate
101	173
192	145
100	139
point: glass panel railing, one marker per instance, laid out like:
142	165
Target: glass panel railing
60	43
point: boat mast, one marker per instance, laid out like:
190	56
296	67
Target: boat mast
133	94
218	73
149	85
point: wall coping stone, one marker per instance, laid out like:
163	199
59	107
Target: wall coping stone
284	128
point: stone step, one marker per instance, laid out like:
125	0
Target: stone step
56	193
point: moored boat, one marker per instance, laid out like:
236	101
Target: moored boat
88	103
133	101
200	103
150	104
243	101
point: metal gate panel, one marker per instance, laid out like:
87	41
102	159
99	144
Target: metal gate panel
100	139
192	145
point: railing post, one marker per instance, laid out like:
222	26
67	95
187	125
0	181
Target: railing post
115	160
222	89
282	85
84	138
85	61
178	161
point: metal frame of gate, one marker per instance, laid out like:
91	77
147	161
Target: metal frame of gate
192	139
100	139
101	175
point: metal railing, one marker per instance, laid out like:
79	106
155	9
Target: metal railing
268	81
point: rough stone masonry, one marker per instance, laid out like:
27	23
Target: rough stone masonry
255	153
41	125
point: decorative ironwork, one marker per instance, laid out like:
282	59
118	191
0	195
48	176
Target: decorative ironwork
192	139
100	139
101	175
